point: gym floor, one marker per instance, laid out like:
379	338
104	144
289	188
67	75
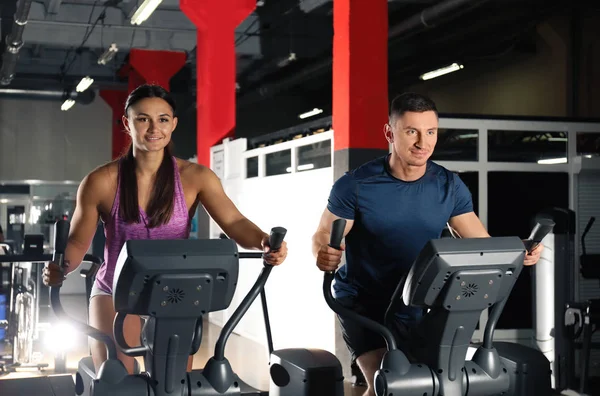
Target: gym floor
248	359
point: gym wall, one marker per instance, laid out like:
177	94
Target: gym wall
297	310
39	141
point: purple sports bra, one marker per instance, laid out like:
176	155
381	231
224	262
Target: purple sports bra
117	231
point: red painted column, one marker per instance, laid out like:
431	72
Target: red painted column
215	21
116	100
154	67
145	66
360	73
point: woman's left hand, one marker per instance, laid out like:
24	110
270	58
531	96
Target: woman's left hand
273	257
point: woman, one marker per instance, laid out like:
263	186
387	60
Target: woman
146	194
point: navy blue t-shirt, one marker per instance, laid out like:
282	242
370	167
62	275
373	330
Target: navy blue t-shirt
393	220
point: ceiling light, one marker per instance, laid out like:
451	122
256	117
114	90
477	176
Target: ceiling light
144	11
311	113
84	84
67	104
108	54
550	161
440	72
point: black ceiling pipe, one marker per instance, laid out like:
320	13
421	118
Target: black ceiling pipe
444	10
85	97
431	16
14	42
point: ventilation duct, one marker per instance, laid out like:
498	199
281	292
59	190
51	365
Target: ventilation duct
58	95
14	42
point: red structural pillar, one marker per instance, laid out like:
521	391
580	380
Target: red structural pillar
145	66
153	67
116	100
215	21
360	81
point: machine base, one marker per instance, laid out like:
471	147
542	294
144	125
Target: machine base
57	385
306	372
528	368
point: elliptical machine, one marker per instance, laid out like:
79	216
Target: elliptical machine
456	279
175	283
582	319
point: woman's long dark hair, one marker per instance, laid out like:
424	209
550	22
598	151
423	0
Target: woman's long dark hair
160	205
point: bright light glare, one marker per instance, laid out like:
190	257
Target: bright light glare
61	337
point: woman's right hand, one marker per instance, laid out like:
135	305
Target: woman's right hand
53	275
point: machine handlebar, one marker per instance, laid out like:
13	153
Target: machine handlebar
61	235
539	232
335	239
275	240
337	233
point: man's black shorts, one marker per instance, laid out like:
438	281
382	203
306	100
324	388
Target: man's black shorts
359	339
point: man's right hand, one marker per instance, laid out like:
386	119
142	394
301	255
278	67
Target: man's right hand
328	258
53	275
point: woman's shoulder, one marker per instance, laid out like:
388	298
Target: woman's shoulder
189	169
102	179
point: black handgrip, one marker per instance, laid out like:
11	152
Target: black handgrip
589	225
276	238
539	232
61	236
337	233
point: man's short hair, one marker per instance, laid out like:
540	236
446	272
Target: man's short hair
412	102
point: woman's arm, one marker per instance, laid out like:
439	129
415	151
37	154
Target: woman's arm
83	226
85	218
228	217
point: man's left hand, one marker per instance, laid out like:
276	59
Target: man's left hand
273	257
532	257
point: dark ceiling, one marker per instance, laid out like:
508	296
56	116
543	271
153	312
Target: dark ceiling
283	48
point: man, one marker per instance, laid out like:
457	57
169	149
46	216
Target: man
393	206
1	235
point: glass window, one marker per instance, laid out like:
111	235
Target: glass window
527	146
471	179
456	145
279	162
588	143
314	156
251	167
514	198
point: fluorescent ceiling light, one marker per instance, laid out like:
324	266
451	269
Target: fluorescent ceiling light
84	84
67	104
144	11
440	72
311	113
108	54
557	139
301	167
551	161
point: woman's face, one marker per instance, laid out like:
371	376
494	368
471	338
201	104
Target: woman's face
150	123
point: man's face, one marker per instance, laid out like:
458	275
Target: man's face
413	136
